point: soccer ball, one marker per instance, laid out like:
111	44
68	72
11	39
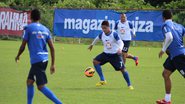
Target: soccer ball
89	72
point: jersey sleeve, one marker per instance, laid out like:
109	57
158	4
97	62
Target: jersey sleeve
116	36
25	35
100	35
116	26
130	25
166	29
183	31
49	36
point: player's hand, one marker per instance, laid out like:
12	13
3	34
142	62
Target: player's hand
90	47
161	54
16	59
52	69
119	52
134	35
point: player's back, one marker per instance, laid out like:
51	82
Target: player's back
37	36
176	47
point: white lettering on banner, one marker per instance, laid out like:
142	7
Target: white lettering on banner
86	25
143	26
13	21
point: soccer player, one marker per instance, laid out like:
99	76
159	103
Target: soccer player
112	53
125	30
173	44
37	37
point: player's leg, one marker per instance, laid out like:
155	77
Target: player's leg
30	87
117	62
49	94
169	68
127	55
135	58
41	80
166	75
179	63
101	59
124	56
98	68
125	50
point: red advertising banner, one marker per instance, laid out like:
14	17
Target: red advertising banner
13	21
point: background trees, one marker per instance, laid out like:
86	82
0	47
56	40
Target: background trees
47	6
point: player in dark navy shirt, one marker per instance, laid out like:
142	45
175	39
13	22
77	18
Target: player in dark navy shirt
173	44
37	36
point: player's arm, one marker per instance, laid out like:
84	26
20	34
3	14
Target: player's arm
116	26
119	42
52	53
133	32
94	42
23	45
21	50
168	40
183	31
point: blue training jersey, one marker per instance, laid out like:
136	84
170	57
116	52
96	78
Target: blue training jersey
37	37
176	47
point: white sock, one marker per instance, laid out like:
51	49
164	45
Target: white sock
168	97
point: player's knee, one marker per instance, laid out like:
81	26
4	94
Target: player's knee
40	87
123	70
95	62
29	82
125	55
165	74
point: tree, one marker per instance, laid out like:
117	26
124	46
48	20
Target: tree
156	3
178	9
75	4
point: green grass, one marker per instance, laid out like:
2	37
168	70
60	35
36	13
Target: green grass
70	84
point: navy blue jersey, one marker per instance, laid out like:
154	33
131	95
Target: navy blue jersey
176	47
37	37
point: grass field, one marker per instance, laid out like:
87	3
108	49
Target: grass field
70	84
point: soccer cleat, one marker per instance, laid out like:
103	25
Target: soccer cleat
137	61
101	83
162	102
130	87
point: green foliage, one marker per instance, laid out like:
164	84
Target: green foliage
75	4
178	13
179	4
158	3
2	4
136	4
47	6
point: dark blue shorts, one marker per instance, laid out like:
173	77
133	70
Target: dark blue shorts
126	46
177	62
114	59
37	72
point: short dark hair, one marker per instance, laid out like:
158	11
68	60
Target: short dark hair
167	14
35	15
106	23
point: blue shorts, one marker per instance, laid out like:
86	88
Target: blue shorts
37	72
114	59
126	46
177	62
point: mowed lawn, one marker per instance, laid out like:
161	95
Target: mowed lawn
72	87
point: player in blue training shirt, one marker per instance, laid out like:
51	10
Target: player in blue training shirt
173	44
113	46
37	37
